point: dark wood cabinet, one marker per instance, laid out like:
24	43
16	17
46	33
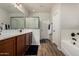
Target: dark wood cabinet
21	42
15	46
8	47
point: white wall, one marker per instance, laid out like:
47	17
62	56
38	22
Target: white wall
44	21
4	17
56	13
16	14
69	19
70	16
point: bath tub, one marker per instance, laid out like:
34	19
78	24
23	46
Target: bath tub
69	49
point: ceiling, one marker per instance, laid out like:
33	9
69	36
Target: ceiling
31	7
9	8
38	7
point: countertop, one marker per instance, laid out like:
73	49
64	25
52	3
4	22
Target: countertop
5	34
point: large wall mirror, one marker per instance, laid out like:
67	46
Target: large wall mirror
18	20
17	23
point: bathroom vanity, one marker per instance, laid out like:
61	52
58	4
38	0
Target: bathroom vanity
15	44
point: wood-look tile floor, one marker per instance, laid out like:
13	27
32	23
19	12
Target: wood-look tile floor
47	48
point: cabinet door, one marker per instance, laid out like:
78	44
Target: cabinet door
8	47
21	44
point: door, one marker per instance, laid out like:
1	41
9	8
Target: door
56	29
